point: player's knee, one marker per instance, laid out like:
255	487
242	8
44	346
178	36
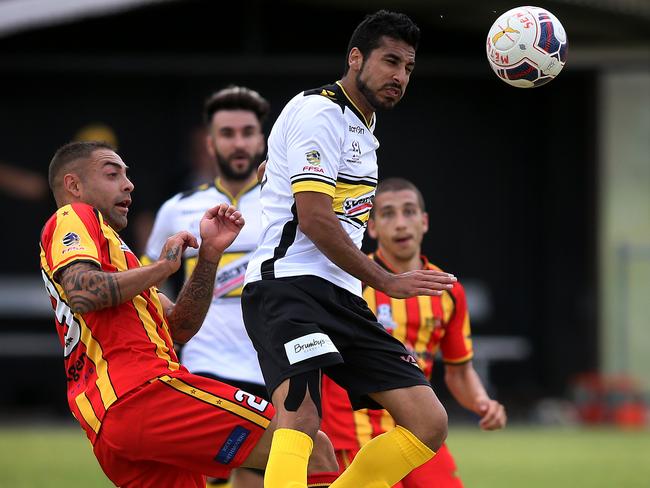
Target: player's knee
436	432
428	425
323	458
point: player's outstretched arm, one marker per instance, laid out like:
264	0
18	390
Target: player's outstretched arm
219	227
318	222
88	288
465	385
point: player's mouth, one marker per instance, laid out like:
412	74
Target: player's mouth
393	91
124	205
402	240
240	161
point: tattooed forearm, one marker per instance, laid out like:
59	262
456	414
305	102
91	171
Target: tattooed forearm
89	289
193	302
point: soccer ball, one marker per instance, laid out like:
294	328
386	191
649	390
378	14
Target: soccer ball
527	47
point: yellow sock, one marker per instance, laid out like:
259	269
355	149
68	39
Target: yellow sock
385	460
287	465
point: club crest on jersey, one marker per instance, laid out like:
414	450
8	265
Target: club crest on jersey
355	206
313	157
71	239
385	317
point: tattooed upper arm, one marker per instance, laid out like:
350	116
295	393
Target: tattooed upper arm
88	288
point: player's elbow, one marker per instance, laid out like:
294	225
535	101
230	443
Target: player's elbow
306	226
181	335
312	223
80	303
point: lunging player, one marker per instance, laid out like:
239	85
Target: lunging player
151	422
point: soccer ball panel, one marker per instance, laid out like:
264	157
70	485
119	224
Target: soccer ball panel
527	46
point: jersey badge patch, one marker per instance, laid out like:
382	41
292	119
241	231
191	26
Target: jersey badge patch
71	239
313	157
229	448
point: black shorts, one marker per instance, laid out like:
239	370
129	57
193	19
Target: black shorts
301	323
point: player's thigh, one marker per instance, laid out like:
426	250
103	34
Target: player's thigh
220	425
188	422
417	409
375	362
287	320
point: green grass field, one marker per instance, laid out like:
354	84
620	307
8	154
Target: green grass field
518	457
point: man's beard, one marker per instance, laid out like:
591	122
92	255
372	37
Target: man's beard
374	102
227	173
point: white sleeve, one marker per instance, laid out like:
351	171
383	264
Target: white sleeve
314	145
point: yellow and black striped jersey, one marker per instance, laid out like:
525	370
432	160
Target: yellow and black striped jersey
320	142
221	347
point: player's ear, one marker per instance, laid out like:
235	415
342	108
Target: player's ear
209	146
355	59
72	184
262	143
425	222
372	231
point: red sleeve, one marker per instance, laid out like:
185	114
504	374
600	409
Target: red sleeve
75	233
456	345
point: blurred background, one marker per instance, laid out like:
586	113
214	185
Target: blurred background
539	199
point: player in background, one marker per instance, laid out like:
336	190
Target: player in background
234	117
302	301
150	421
425	324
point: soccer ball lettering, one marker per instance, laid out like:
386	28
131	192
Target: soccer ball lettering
527	47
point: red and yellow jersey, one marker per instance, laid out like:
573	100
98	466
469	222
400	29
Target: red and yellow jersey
425	325
108	352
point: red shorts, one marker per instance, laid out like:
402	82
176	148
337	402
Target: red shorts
177	429
439	471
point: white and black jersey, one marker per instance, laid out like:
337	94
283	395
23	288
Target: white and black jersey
320	142
221	347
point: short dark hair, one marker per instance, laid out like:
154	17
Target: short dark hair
399	184
367	36
70	152
236	97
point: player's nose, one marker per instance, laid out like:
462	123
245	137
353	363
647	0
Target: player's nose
128	186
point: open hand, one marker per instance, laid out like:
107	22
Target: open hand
219	226
420	282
